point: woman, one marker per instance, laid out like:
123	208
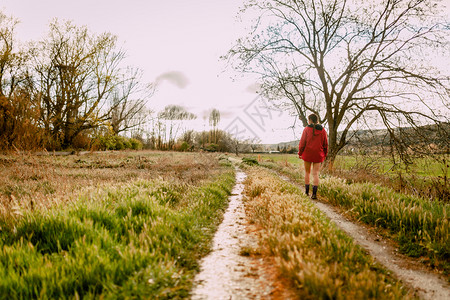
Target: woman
313	148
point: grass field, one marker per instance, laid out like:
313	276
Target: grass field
115	226
319	260
382	164
420	226
426	177
134	225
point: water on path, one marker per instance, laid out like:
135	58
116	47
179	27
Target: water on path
225	273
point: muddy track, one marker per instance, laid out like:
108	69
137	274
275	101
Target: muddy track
424	282
225	273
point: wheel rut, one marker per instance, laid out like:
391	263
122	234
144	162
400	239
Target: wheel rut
427	284
225	273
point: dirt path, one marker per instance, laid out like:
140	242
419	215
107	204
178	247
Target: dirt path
225	273
427	284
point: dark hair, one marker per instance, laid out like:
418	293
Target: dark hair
315	120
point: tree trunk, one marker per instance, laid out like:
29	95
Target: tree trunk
332	147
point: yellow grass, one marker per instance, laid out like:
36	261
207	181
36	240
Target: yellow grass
40	182
320	260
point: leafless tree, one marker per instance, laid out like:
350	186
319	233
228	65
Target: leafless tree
17	110
174	115
255	144
214	119
12	59
80	81
349	61
128	103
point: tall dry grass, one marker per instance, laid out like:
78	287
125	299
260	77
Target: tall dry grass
320	260
30	182
110	235
420	226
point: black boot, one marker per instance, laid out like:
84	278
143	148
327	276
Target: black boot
314	194
307	189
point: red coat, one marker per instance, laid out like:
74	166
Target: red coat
313	148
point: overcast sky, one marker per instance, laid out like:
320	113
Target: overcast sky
177	43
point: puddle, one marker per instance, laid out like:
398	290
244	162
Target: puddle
225	273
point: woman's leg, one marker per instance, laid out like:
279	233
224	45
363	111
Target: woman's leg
307	172
315	173
316	168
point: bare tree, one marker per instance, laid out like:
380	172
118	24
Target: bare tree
174	114
18	113
80	81
188	137
12	59
255	144
350	62
128	103
214	119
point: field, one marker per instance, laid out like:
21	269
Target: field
135	224
121	225
426	177
319	260
382	164
418	225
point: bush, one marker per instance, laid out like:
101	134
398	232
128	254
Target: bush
81	141
119	143
211	147
184	146
251	161
19	125
111	142
135	144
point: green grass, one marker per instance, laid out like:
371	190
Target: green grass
420	226
425	166
278	158
318	259
137	240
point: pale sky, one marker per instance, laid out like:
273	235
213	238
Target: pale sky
177	43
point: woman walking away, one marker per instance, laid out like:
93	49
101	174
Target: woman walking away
313	148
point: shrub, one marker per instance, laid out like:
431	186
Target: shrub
110	142
19	123
251	161
135	144
81	141
119	143
184	146
211	147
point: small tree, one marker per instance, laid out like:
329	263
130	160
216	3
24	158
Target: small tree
128	102
175	115
214	119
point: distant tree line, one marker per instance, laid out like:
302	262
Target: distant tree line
168	132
